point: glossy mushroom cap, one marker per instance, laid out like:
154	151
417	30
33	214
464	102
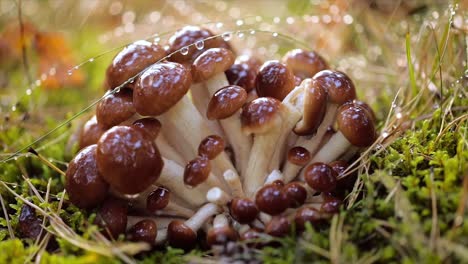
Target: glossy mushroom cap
272	199
315	105
260	115
296	194
115	108
339	86
320	177
158	199
131	60
299	156
112	217
253	62
304	64
29	224
243	75
85	186
339	166
143	231
330	205
226	102
307	214
160	87
356	124
274	79
191	35
197	171
211	147
148	125
278	226
90	133
211	62
221	235
128	160
181	236
368	108
243	210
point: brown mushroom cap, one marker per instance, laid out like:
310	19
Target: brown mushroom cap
296	193
299	156
160	87
368	108
131	60
243	210
339	86
274	79
90	133
251	234
158	199
260	115
321	177
243	75
225	102
315	105
356	124
304	64
143	231
112	217
115	108
278	226
271	199
29	223
149	125
85	186
253	62
211	146
330	205
128	160
339	166
307	214
211	62
221	235
181	236
197	171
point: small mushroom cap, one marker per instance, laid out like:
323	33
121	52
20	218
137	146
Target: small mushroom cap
320	177
243	75
260	115
221	235
181	236
304	64
29	224
225	102
296	193
278	226
197	171
339	166
274	79
128	160
307	214
211	146
315	106
131	60
330	205
253	62
115	108
368	108
158	199
243	210
299	156
85	186
191	35
251	234
211	62
271	199
160	87
143	231
339	86
356	124
90	133
149	125
112	217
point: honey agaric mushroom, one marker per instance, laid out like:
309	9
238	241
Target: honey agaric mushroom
225	105
243	210
84	184
128	160
90	133
296	194
221	232
254	62
272	199
314	106
278	226
131	61
115	108
330	205
307	214
161	201
183	234
241	74
198	171
274	79
304	64
144	231
320	177
297	158
112	217
211	146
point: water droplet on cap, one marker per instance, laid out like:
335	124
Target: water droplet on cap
184	51
227	36
200	44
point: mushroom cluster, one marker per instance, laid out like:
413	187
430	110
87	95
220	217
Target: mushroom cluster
205	146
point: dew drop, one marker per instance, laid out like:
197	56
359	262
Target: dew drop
276	20
200	44
38	83
69	72
399	115
252	32
240	22
91	60
227	36
258	18
275	34
240	34
28	91
157	39
76	67
184	51
219	25
13	108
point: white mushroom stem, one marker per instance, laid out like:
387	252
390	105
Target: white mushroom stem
275	175
334	148
202	215
161	237
215	83
220	221
290	171
217	196
168	151
350	152
234	183
265	218
258	224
